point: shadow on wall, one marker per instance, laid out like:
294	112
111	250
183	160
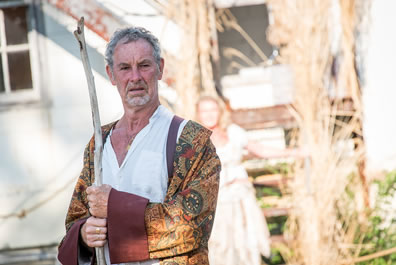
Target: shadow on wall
31	141
29	181
96	59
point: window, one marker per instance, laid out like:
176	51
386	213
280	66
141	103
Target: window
16	75
236	51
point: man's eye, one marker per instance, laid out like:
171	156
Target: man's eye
145	65
124	68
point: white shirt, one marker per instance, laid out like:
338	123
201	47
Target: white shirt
144	170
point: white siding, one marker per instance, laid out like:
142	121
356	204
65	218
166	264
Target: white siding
42	144
379	94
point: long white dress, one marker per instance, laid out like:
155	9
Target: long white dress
240	234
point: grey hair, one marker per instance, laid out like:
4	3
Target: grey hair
128	35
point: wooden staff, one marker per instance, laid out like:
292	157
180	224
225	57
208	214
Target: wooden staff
79	34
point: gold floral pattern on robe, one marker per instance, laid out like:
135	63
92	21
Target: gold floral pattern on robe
178	230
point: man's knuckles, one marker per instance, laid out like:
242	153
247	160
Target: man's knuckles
105	188
92	211
91	189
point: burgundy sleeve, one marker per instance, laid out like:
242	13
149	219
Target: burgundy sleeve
127	235
68	251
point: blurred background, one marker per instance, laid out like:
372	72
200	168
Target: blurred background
317	75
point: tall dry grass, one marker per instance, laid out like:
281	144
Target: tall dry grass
194	73
323	222
198	59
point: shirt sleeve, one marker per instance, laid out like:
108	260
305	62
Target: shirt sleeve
69	249
127	236
72	251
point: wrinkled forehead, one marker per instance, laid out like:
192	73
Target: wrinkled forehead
138	49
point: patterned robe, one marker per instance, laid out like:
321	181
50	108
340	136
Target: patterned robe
176	231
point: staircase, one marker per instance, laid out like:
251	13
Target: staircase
271	192
269	179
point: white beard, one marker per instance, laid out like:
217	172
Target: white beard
138	101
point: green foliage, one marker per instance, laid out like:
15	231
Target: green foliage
279	168
268	191
277	224
267	168
381	233
275	258
263	205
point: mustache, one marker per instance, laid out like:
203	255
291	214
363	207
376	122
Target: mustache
136	85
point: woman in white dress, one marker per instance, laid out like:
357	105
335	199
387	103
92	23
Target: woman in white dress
240	234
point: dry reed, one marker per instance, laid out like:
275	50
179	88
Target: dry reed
198	59
322	225
194	74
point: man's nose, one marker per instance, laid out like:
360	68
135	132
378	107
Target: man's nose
135	75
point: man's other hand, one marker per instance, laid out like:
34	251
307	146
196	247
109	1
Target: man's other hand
98	198
94	232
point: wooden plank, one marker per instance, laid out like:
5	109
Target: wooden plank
275	212
274	180
279	115
260	118
29	255
283	201
276	239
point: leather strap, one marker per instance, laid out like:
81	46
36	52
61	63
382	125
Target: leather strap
171	143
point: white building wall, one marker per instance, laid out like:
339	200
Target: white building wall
379	93
42	143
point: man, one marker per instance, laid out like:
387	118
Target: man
144	213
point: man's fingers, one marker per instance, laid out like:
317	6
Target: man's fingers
95	240
97	189
97	244
96	230
91	204
95	237
96	222
95	212
98	199
102	222
90	189
92	195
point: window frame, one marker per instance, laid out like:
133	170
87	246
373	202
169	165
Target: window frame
30	94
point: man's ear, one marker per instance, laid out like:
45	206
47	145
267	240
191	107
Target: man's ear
110	75
161	68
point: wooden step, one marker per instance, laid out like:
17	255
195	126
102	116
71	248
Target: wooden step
283	201
275	212
265	117
277	239
274	180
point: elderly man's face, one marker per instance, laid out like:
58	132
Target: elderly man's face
135	73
